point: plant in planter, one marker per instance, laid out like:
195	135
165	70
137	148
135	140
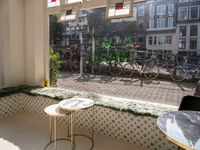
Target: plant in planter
55	65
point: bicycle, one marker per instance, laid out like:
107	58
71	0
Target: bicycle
148	68
187	70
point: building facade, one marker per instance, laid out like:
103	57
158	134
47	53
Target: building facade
161	32
188	27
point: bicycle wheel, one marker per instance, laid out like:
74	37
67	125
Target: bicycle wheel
150	71
115	68
128	70
96	68
178	74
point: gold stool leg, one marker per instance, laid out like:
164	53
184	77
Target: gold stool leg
55	128
71	128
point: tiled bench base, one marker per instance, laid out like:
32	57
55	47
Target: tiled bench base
139	130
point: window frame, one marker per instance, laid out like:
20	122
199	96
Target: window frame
161	14
130	14
179	13
160	21
190	12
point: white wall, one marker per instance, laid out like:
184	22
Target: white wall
22	48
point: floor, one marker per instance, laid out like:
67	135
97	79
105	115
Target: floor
159	91
22	132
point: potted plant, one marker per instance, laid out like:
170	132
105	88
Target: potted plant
55	65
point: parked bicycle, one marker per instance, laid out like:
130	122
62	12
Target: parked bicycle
185	71
149	68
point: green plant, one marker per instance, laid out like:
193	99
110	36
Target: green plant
55	64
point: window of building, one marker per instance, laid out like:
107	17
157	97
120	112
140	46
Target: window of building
134	40
170	22
194	30
182	43
141	24
155	40
151	23
194	12
170	9
140	39
53	3
134	13
67	15
183	1
72	1
182	31
161	9
168	40
151	10
118	10
141	10
193	43
150	40
161	23
161	40
183	13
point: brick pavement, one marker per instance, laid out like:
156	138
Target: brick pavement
158	91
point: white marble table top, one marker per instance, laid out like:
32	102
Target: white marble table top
76	103
182	128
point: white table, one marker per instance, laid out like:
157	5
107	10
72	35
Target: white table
182	128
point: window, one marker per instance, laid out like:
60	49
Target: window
161	40
161	9
161	23
193	43
194	12
140	39
183	13
151	23
170	22
168	40
194	30
183	1
182	31
151	10
182	43
118	9
150	40
53	3
134	13
134	40
141	24
155	40
170	9
67	15
72	1
141	10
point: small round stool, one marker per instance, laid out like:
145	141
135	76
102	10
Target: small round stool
54	111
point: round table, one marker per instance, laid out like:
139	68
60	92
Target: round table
182	128
77	104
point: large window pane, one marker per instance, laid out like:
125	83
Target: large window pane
53	3
183	13
161	9
141	10
182	43
161	23
193	30
170	9
193	43
194	12
151	23
182	31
